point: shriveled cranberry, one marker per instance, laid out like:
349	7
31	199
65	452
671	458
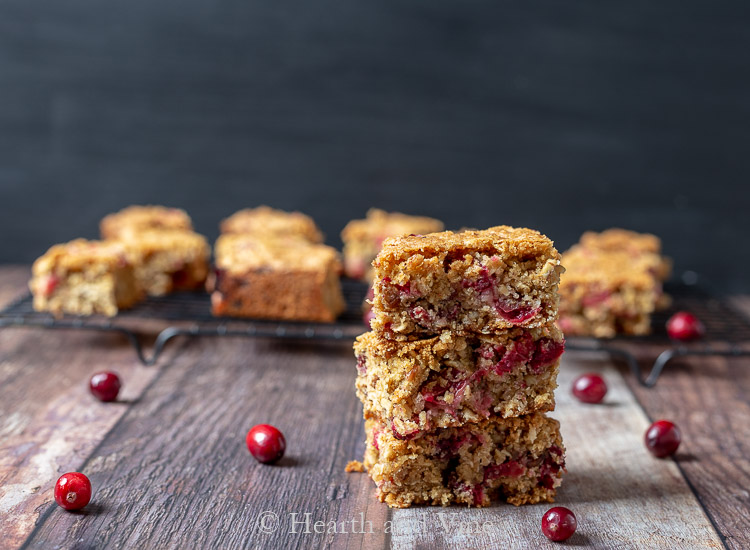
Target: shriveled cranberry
662	438
559	524
265	443
685	326
590	388
73	491
105	386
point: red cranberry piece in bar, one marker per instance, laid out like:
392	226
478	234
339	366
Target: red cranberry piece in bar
559	524
515	313
662	438
685	326
590	388
50	284
72	491
266	443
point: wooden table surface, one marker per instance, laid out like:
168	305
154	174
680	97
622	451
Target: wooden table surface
170	469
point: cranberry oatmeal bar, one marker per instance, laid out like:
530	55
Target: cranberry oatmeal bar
364	238
168	260
83	278
475	281
138	218
607	293
450	380
276	279
264	221
521	459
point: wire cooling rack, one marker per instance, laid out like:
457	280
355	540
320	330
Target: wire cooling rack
189	314
192	312
727	334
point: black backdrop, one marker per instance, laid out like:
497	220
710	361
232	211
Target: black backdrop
563	116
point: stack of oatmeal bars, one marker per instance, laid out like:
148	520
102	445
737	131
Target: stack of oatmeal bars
459	368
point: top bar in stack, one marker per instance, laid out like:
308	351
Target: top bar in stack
469	282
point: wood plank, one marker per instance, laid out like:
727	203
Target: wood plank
191	481
49	422
707	397
13	279
622	496
175	472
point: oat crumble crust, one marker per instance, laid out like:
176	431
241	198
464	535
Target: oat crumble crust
84	277
276	278
450	379
166	260
474	281
269	222
520	459
363	238
137	218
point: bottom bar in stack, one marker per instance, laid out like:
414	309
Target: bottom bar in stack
521	459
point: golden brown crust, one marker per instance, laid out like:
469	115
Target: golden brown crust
264	221
509	243
238	253
285	278
475	281
84	278
521	459
363	238
137	218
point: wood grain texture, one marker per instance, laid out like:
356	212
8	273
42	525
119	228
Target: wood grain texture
707	398
175	471
49	422
170	468
622	496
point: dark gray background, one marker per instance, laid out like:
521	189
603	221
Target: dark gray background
562	116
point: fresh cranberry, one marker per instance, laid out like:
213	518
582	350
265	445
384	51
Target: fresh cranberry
368	317
266	443
105	386
662	438
685	326
73	491
559	524
590	388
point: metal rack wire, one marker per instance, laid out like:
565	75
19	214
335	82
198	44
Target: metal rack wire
727	334
189	314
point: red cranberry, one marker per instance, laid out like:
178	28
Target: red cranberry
50	284
266	443
73	491
662	438
685	326
105	386
590	388
559	524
